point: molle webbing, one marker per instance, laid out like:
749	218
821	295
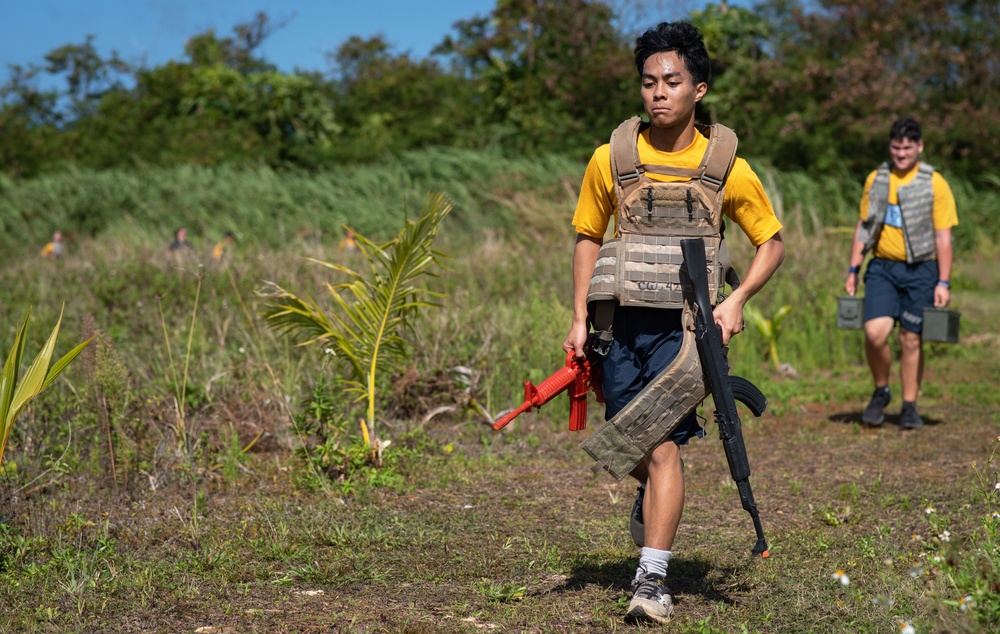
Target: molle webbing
641	266
916	203
641	270
649	418
916	206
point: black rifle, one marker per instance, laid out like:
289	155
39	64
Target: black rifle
716	368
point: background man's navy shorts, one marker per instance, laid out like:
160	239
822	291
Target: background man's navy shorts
646	341
900	290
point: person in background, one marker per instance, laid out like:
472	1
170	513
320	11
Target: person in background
348	243
54	249
219	250
907	212
180	242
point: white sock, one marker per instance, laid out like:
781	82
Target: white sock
653	561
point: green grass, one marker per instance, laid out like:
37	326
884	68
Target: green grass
466	528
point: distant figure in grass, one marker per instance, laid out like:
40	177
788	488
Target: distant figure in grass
219	250
55	249
348	243
180	242
907	212
663	155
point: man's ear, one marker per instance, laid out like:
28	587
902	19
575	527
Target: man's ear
700	90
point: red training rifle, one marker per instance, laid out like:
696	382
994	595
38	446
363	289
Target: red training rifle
578	377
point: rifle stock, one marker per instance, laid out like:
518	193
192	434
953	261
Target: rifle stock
716	368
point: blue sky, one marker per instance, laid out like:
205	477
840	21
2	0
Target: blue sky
154	31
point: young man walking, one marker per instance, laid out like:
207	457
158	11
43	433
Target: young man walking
907	212
661	197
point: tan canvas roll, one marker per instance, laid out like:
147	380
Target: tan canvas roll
649	419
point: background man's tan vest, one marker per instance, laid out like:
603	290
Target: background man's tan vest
916	205
641	265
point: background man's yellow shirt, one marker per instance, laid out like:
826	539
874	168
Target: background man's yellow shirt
745	201
890	242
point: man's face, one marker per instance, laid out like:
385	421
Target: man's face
905	153
669	93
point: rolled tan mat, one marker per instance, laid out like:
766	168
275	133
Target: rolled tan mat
649	419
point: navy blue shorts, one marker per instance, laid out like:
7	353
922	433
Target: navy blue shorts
900	290
646	341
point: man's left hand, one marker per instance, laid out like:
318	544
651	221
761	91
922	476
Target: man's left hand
942	296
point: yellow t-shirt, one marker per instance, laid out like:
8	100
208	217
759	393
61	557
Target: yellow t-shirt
744	202
890	242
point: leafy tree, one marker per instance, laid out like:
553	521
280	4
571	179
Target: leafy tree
831	79
88	76
390	102
547	75
236	52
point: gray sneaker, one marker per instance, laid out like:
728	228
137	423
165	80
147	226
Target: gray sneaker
909	418
635	525
651	600
875	412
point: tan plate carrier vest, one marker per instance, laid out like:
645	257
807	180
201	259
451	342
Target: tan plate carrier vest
642	266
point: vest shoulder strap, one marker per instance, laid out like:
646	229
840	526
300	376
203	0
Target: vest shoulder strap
625	162
719	157
715	166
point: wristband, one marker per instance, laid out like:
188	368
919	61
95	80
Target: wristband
944	283
853	269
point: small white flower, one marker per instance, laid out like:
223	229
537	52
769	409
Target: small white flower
842	577
915	537
997	486
329	351
938	559
965	507
929	510
965	603
905	627
945	536
995	515
242	350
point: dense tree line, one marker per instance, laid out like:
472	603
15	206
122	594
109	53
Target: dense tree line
810	85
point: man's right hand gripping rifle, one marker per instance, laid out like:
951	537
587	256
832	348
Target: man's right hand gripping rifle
579	376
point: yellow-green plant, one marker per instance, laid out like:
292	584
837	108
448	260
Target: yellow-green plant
370	329
16	393
767	328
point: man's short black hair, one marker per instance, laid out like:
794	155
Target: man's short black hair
905	128
681	37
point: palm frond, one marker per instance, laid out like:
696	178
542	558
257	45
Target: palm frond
374	310
15	393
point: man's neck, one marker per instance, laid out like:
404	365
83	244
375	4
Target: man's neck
674	138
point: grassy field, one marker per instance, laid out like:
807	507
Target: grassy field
195	472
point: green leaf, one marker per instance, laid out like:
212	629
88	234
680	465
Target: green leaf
16	394
373	311
31	383
9	379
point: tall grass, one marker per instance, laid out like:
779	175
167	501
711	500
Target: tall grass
264	207
507	282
